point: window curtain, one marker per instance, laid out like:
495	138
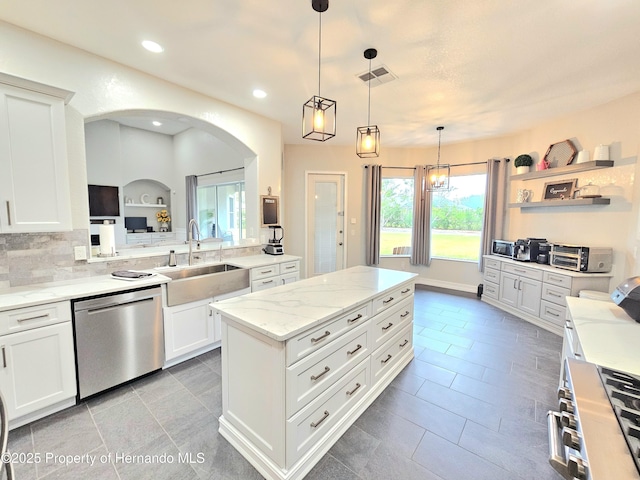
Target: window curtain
373	187
192	199
420	238
493	207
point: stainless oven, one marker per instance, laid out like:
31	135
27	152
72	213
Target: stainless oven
581	259
595	433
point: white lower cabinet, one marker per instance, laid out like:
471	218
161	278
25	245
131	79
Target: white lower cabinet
286	402
37	363
520	292
270	276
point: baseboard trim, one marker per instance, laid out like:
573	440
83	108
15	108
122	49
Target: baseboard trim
462	287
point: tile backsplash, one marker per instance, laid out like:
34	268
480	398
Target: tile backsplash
29	258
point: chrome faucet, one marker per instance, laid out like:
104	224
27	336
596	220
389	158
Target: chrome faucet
192	223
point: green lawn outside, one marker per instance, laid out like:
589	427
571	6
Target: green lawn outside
444	244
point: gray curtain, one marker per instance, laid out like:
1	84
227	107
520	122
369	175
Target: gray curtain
192	199
373	187
493	206
421	240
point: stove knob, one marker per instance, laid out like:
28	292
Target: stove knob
571	438
577	467
568	420
564	392
566	405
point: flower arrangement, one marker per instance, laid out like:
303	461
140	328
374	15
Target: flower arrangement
163	216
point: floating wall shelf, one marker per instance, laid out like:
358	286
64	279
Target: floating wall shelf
563	203
551	172
147	205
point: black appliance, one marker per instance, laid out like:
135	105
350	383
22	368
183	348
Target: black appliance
528	249
503	248
135	224
627	296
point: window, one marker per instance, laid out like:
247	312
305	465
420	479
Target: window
396	216
456	218
221	211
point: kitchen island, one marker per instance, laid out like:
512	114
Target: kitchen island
302	361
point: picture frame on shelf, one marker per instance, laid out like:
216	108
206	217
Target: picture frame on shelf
559	190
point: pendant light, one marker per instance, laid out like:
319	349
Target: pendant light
318	113
438	175
368	138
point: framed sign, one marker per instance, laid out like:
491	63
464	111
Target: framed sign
559	190
269	210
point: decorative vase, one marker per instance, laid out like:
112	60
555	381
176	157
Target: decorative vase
164	227
521	170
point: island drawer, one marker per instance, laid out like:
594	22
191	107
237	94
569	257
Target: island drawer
26	318
320	416
263	272
390	299
491	290
385	325
289	267
264	283
554	294
313	375
553	313
557	279
492	275
302	345
389	354
528	272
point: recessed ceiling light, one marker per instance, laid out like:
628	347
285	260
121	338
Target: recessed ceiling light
156	123
259	93
152	46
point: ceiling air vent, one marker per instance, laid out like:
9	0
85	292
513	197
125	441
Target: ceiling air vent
378	76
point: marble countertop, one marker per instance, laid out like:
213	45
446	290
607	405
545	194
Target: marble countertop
252	261
283	312
608	336
548	268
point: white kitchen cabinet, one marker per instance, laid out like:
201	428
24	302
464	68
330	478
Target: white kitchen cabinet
34	185
537	293
274	275
37	363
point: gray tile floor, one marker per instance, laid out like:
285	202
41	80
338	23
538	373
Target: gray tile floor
471	405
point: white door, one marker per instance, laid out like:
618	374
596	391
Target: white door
325	223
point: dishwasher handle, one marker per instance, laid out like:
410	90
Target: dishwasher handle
109	306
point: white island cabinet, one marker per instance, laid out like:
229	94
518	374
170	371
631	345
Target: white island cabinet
302	361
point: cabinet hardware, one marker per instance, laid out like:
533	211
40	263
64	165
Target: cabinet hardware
403	344
289	267
553	294
351	320
406	290
264	282
32	318
519	270
324	417
576	354
551	313
386	359
354	351
322	337
520	285
266	271
324	372
354	390
4	358
387	327
515	283
557	279
8	213
405	314
387	301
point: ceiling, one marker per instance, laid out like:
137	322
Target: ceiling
481	69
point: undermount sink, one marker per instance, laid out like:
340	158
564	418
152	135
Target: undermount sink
189	284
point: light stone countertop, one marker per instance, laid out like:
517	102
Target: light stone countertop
608	336
283	312
548	268
252	261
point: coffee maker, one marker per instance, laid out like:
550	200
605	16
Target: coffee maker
274	247
532	250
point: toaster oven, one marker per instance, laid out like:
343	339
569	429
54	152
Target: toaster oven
581	259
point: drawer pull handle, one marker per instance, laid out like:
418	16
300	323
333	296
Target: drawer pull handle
519	270
267	281
266	271
388	326
406	290
555	294
578	355
32	318
386	359
354	390
4	358
351	320
322	337
387	301
320	375
557	279
8	213
404	344
324	417
355	350
551	313
405	314
289	267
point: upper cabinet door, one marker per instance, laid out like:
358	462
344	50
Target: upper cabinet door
34	184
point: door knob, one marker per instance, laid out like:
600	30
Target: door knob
340	244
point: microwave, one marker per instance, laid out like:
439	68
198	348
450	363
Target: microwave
504	248
581	259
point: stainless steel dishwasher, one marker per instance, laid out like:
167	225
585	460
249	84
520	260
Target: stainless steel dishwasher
118	338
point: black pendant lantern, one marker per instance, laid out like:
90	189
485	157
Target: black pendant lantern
368	138
319	113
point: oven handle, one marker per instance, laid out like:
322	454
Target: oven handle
556	449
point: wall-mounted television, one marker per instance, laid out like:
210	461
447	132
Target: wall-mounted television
103	201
